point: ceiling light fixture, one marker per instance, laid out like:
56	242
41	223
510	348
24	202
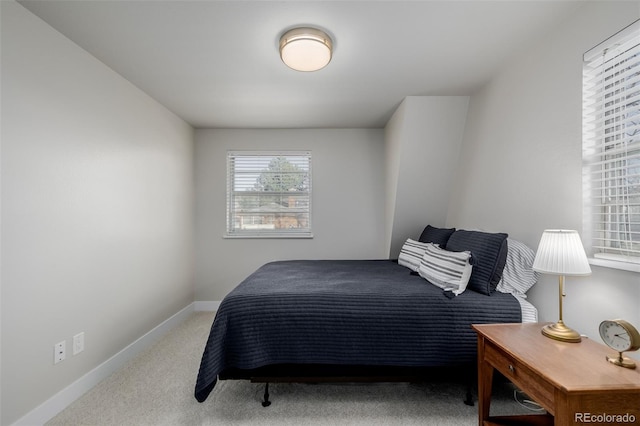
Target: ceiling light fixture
306	49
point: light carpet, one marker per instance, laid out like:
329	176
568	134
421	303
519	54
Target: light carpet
156	388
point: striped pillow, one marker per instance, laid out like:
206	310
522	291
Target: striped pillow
411	254
518	275
489	255
446	269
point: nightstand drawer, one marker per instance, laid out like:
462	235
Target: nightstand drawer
537	388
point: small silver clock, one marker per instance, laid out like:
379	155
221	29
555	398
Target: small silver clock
620	336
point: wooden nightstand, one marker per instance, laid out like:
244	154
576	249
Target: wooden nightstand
572	381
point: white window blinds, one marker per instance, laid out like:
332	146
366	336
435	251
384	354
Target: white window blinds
611	147
268	194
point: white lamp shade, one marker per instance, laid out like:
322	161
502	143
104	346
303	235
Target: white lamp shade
560	252
305	49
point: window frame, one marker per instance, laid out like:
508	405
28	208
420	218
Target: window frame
611	151
255	163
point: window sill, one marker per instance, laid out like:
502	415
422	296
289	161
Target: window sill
278	237
605	262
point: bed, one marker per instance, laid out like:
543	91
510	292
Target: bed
300	320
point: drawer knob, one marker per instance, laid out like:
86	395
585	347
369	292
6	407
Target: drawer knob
512	368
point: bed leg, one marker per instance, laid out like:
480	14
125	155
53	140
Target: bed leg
469	398
266	402
471	375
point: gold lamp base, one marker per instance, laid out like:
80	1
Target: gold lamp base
559	331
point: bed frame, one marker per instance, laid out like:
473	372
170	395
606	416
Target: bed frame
321	373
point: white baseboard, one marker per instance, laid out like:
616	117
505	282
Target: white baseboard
51	407
204	305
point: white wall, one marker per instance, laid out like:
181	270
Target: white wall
97	216
348	202
520	169
423	139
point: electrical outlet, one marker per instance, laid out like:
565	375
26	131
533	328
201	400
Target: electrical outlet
78	343
59	351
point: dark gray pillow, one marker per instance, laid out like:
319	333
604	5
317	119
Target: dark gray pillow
489	253
434	235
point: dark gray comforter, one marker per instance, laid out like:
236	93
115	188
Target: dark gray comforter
345	312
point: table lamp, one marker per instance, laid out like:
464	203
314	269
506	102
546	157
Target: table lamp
561	253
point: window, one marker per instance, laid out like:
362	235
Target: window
611	149
269	194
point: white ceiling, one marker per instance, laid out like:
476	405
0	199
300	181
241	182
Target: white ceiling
216	63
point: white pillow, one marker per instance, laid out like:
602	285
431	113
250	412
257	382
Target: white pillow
411	254
518	275
448	270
